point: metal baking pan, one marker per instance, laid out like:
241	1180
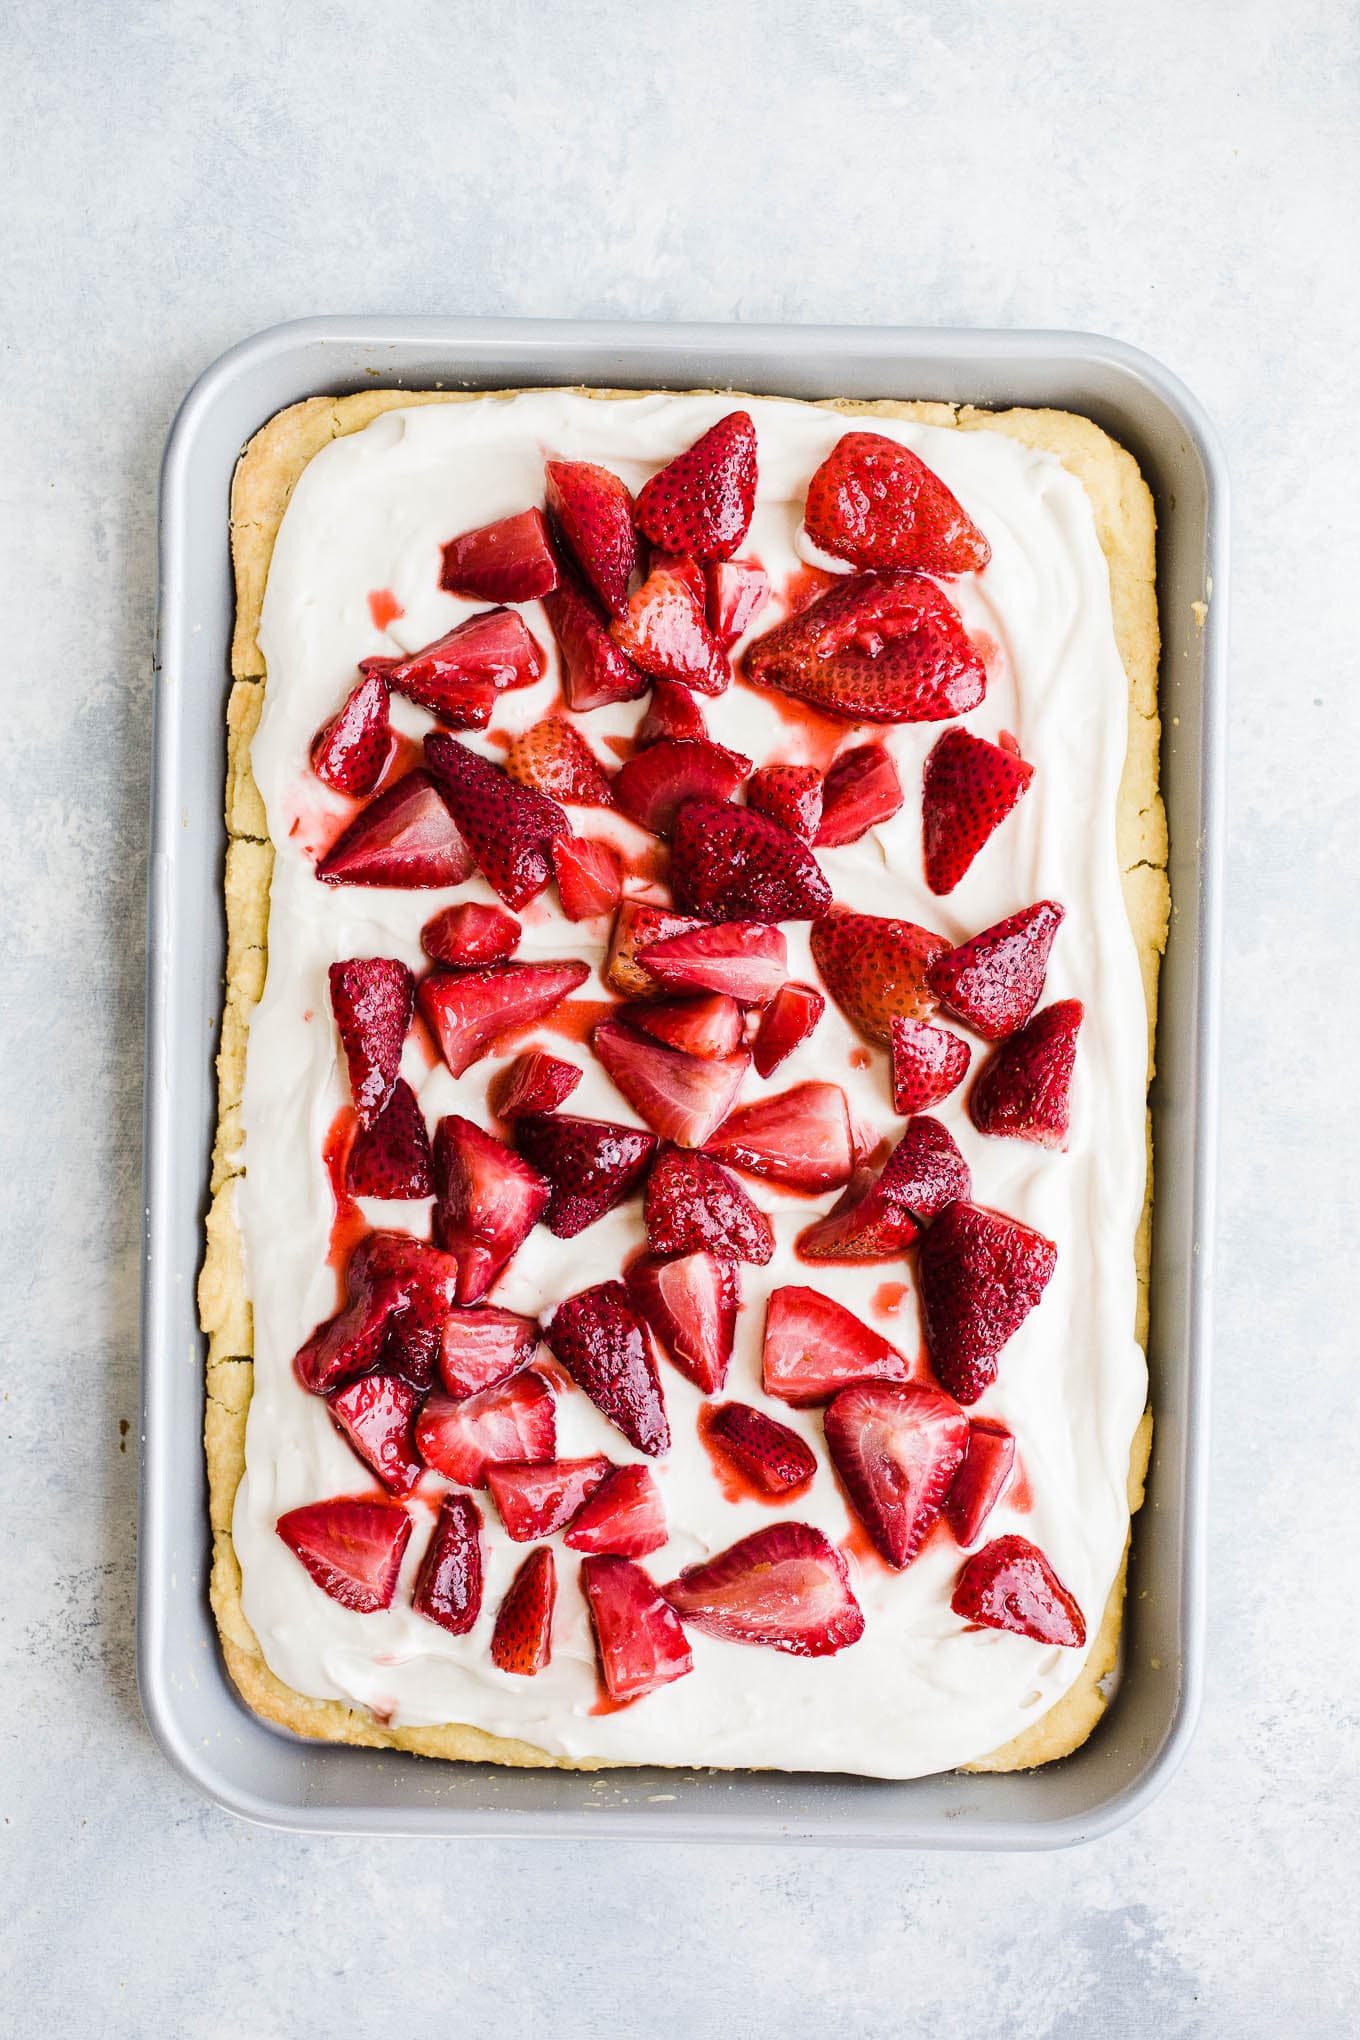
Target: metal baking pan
204	1729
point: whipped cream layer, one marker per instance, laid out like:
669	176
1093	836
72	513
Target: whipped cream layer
920	1692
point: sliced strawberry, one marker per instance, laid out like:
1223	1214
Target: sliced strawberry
637	1634
981	1480
350	1342
980	1276
897	1447
786	1023
701	503
925	1171
653	783
682	1097
521	1641
591	1165
730	864
665	634
996	980
510	828
405	837
969	788
865	1225
554	758
536	1497
1024	1087
737	592
484	656
927	1064
746	959
589	877
876	968
784	1586
790	795
469	1011
1009	1584
533	1082
691	1305
862	789
487	1199
672	714
815	1347
694	1205
352	1548
800	1137
704	1027
448	1588
470	934
599	1338
349	753
391	1158
774	1458
876	503
377	1415
593	511
594	670
887	648
637	924
684	569
511	560
372	998
514	1419
427	1281
481	1345
624	1515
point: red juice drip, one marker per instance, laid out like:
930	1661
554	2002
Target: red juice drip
383	607
574	1020
622	747
348	1225
1017	1493
889	1297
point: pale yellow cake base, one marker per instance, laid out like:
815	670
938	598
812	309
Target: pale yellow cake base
265	479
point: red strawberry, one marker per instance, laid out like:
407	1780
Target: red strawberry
694	1205
1024	1087
737	592
448	1587
703	1027
691	1305
800	1137
876	968
479	658
701	502
511	560
349	1343
774	1458
665	634
535	1497
599	1338
637	1635
672	713
927	1064
996	980
862	789
746	959
533	1082
349	753
510	828
925	1171
351	1547
377	1415
391	1158
591	1165
372	998
469	1011
654	782
1009	1584
684	569
593	511
554	758
637	924
897	1448
785	1024
589	877
969	787
979	1483
815	1347
624	1515
980	1276
681	1097
790	795
784	1586
514	1419
469	934
481	1345
594	670
875	503
426	1280
885	648
405	837
865	1225
486	1202
730	864
521	1641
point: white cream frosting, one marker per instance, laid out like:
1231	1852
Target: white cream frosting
920	1692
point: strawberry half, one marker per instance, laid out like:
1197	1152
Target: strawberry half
349	753
511	560
800	1137
635	926
877	968
1024	1087
666	635
927	1064
1009	1584
593	511
589	877
594	670
980	1276
352	1548
521	1641
469	934
815	1347
887	648
481	1345
981	1480
691	1305
590	1164
448	1588
405	837
599	1338
693	1205
372	998
701	503
682	1097
773	1458
426	1279
737	592
790	795
377	1415
995	981
458	676
537	1497
391	1158
897	1448
705	1027
969	788
865	1225
637	1634
672	714
925	1171
786	1023
654	782
862	789
349	1342
746	959
510	828
487	1200
876	503
784	1586
732	864
533	1082
624	1515
469	1011
554	758
514	1419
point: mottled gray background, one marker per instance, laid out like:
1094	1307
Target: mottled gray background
177	175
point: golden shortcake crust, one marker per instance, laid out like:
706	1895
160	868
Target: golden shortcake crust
265	478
